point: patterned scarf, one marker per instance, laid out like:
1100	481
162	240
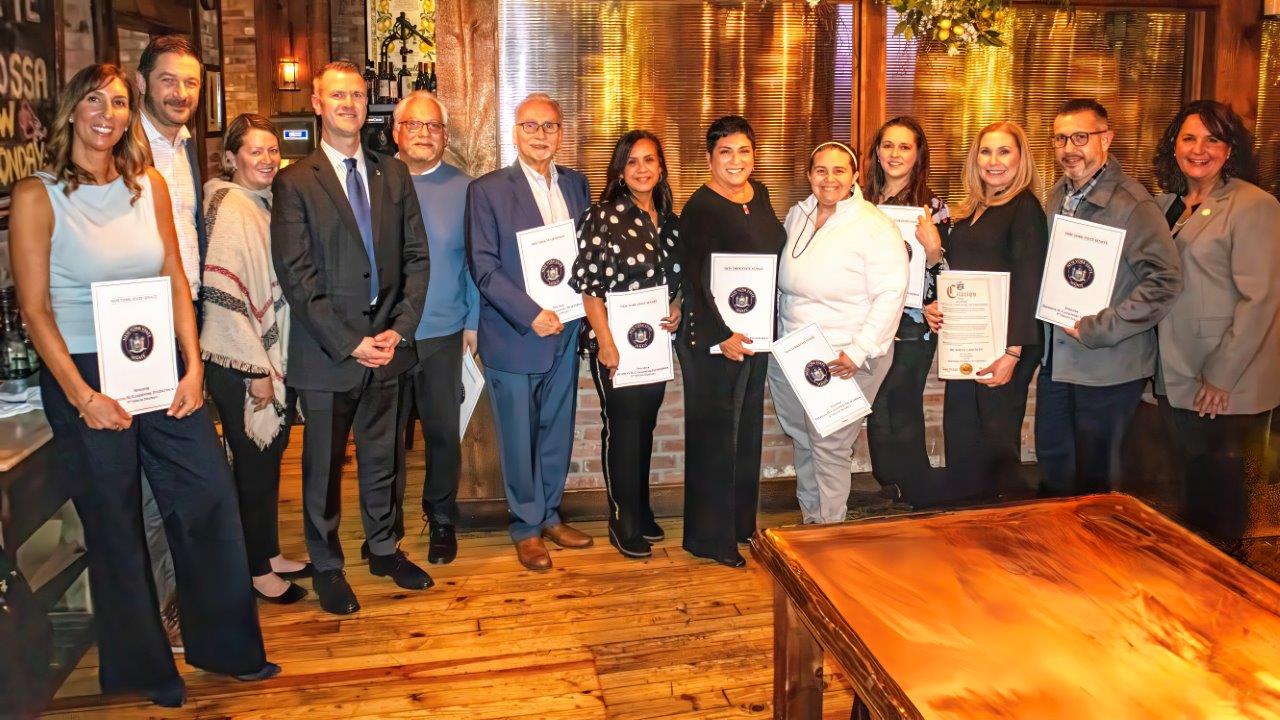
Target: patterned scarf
246	319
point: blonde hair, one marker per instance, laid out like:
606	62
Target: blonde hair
977	196
132	152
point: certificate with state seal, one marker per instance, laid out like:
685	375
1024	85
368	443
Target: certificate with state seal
137	349
546	259
975	322
644	348
905	218
829	402
1079	270
744	286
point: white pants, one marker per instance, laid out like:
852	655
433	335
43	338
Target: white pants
823	464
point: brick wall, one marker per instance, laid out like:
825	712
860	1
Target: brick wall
240	71
776	458
77	36
347	30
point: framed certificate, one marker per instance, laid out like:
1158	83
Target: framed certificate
829	402
137	348
644	348
975	312
472	385
1079	270
906	217
744	287
546	259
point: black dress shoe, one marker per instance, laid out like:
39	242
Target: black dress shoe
443	547
630	547
305	571
269	670
291	595
398	567
171	696
364	550
652	531
335	594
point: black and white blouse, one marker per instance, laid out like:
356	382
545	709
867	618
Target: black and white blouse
620	249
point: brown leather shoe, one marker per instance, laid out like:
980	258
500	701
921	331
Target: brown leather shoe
567	537
533	554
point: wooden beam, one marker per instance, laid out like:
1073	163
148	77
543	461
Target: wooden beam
1233	44
870	40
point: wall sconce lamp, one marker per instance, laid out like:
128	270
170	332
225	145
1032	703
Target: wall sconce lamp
288	79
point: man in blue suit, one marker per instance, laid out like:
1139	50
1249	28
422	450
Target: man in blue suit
531	364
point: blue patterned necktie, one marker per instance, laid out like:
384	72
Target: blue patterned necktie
360	208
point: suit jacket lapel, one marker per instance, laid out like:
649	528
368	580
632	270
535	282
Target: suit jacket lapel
527	213
1203	215
377	186
572	201
328	179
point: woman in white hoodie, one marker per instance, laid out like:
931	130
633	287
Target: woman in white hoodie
844	268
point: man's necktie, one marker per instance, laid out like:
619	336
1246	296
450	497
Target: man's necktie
360	208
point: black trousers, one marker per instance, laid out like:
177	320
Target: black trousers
370	411
983	431
629	415
895	430
256	470
1221	459
434	389
723	426
1080	432
188	472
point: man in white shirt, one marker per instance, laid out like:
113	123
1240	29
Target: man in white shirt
531	368
169	77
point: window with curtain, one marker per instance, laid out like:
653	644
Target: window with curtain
1267	131
673	67
1130	60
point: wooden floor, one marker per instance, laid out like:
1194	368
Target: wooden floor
600	636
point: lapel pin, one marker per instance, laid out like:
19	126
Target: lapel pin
1206	212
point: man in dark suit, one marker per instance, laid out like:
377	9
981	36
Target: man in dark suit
350	251
531	367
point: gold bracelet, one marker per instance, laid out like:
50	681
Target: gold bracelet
92	395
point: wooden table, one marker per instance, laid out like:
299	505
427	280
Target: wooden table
1095	607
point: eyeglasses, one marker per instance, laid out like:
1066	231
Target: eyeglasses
415	126
1079	139
531	127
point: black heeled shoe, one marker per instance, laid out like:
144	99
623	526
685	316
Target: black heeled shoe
734	560
652	532
291	595
305	571
267	671
637	549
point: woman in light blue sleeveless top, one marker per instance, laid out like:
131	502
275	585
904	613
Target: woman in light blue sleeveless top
100	213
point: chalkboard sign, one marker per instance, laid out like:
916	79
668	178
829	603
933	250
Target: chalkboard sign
28	84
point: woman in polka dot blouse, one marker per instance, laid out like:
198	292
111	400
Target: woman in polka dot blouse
628	240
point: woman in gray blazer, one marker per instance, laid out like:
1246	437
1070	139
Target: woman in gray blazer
1219	374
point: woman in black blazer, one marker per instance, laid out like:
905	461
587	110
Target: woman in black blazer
1000	227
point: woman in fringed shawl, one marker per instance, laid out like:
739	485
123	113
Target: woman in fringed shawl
243	342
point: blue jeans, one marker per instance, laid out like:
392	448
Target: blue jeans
1080	432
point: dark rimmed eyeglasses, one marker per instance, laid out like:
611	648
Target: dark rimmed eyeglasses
531	127
1079	139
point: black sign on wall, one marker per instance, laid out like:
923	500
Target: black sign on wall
28	84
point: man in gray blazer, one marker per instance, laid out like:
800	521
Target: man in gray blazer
1093	375
350	251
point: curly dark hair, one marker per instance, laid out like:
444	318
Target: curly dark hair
1225	125
726	126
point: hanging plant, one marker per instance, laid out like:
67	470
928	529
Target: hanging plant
953	24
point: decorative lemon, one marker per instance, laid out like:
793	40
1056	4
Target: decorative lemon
944	35
945	23
986	14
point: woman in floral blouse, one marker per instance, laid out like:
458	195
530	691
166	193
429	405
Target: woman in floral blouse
627	241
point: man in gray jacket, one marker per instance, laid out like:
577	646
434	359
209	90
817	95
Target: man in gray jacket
1093	375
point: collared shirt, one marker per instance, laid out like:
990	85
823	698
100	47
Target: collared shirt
1073	196
548	196
338	161
174	165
